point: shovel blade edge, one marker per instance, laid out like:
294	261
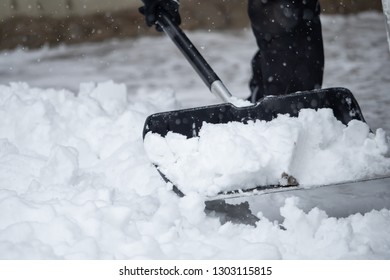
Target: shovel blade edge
188	122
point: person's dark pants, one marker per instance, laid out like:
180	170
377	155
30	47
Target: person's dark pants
291	55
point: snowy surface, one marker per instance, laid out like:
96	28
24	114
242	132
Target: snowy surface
75	181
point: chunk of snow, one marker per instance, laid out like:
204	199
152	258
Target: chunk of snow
315	148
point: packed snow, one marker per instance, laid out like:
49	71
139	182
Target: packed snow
76	181
237	156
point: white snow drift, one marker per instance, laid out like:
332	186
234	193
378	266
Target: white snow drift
76	183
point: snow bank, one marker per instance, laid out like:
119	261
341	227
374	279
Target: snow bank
75	183
65	158
315	148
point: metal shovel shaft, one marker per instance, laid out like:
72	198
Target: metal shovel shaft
197	61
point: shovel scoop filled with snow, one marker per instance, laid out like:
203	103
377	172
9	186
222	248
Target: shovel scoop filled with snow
222	149
243	161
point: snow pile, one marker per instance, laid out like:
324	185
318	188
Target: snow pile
75	183
315	148
64	160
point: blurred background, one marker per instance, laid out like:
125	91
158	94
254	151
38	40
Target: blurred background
35	23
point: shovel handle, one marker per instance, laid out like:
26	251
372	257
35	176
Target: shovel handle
193	56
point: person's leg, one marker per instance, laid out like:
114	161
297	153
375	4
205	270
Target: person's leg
291	55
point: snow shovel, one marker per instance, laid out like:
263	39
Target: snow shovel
188	122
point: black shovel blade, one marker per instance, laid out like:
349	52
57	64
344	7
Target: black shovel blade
188	122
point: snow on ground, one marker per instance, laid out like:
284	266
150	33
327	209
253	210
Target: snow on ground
75	181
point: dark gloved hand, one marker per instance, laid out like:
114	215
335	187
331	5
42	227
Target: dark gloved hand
152	9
